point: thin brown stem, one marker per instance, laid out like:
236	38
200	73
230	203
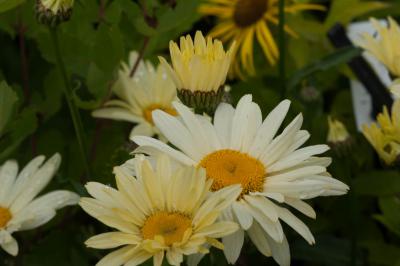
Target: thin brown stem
21	29
141	54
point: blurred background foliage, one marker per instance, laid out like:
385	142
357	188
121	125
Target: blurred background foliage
362	228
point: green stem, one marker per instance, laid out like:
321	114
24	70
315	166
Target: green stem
282	46
348	164
75	115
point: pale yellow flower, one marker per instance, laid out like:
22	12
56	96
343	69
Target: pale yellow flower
247	21
384	136
164	212
200	65
138	96
337	131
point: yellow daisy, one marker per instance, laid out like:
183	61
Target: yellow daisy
149	89
239	148
199	69
385	47
244	20
162	212
384	136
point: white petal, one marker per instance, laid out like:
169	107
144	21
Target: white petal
296	224
30	220
36	183
240	118
297	157
24	177
118	257
244	218
178	134
112	240
264	205
257	236
269	128
233	245
223	123
301	206
117	113
195	128
142	129
8	173
274	229
8	243
280	251
162	147
274	151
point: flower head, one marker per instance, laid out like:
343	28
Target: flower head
138	96
161	212
242	21
385	47
199	69
239	148
338	136
53	12
384	136
20	208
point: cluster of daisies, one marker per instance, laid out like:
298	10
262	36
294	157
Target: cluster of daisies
204	173
203	180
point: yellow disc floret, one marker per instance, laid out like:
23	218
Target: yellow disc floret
147	113
228	167
171	226
5	216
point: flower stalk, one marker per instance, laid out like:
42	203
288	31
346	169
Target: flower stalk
282	45
76	119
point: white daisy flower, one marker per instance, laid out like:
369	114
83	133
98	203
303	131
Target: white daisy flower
160	213
240	148
149	89
19	208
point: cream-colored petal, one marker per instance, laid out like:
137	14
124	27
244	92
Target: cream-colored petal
112	240
8	173
36	183
233	244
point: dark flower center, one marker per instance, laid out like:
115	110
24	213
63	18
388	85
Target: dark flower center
247	12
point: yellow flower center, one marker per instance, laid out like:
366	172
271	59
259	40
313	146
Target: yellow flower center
247	12
5	216
170	225
228	167
147	112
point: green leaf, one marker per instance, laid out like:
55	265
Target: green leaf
377	183
344	11
23	126
337	58
8	99
390	207
6	5
381	253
